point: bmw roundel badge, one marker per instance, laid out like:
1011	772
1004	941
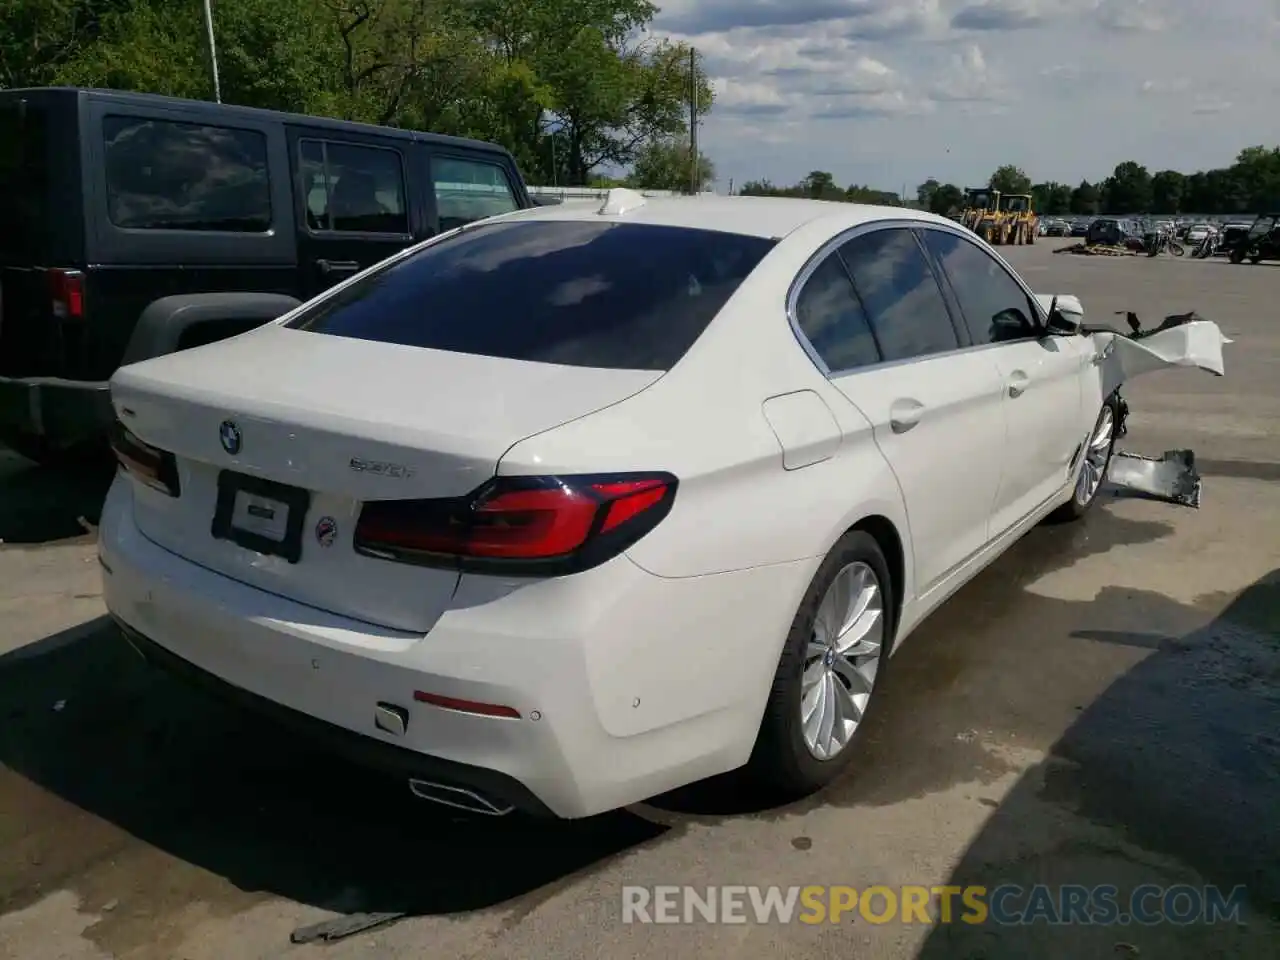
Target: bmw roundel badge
229	434
326	531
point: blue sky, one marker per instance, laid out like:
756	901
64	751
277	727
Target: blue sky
891	92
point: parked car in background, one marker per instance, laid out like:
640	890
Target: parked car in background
1080	228
1112	231
461	516
1230	234
1260	242
1057	228
1196	232
135	225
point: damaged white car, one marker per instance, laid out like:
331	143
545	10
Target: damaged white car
571	507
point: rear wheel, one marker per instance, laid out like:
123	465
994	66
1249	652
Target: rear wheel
833	657
1176	248
1237	255
1094	462
1255	258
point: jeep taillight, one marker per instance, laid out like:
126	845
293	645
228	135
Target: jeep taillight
66	294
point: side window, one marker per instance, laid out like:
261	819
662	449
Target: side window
163	175
832	319
899	293
352	189
469	190
995	308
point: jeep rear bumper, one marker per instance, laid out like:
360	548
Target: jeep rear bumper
60	413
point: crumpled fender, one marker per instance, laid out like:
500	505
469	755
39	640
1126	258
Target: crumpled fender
1196	344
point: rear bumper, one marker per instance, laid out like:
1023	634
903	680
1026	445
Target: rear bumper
362	750
626	684
65	413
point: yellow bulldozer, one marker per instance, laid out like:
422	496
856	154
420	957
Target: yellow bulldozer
981	212
1000	218
1019	224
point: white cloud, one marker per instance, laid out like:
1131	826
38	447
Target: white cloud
887	91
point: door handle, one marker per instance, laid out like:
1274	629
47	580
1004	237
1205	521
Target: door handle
905	414
328	267
1018	384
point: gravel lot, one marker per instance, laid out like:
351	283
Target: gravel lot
1101	706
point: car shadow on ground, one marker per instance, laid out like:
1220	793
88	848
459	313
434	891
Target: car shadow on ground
45	504
1171	776
94	726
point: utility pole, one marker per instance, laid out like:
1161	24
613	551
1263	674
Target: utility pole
695	178
213	50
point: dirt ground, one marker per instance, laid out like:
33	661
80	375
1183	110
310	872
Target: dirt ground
1100	706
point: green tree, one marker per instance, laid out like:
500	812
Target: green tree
1085	199
946	199
925	192
1010	179
668	165
1167	189
820	185
1051	199
1127	190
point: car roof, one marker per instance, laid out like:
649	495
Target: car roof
230	111
769	217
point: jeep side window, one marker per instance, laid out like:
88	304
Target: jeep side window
469	190
164	175
352	189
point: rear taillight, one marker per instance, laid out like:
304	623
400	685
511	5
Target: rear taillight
530	525
66	292
156	468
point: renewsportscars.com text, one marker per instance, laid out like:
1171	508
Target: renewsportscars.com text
1007	904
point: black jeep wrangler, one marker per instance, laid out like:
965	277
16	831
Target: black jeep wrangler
134	225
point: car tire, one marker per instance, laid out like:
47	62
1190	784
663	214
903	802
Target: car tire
784	765
1085	494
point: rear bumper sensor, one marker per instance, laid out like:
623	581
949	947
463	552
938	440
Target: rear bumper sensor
447	782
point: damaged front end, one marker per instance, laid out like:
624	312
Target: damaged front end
1181	340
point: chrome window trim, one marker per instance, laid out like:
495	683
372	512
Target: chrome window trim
829	247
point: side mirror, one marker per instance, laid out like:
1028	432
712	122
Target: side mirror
1065	316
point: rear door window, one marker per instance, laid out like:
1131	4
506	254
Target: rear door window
574	292
900	294
164	175
353	189
833	321
24	179
470	190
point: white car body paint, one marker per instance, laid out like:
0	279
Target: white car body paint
650	670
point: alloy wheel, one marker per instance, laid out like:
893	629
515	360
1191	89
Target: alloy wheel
842	660
1096	457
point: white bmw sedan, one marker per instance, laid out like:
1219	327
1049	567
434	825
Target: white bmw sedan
574	506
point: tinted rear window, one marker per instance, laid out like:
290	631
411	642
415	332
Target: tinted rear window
619	296
24	171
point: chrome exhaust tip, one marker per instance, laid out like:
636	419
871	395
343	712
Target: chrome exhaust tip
459	798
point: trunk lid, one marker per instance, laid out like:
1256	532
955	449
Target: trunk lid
347	421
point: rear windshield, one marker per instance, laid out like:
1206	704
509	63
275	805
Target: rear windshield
24	171
618	296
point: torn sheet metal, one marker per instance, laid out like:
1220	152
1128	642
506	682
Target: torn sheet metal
1196	344
1172	477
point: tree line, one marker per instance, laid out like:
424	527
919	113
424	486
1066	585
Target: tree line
820	185
565	85
1250	185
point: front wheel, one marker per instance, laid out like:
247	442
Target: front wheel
1237	255
1255	258
1177	249
834	654
1094	461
